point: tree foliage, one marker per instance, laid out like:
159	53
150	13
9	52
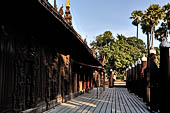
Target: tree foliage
162	32
166	9
102	40
136	15
120	52
150	18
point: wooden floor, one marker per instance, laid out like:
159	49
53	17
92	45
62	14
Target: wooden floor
112	100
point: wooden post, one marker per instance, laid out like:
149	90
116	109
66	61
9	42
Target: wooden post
97	85
164	79
79	82
133	77
111	79
70	81
136	77
84	85
127	78
91	81
103	81
99	75
59	97
144	78
88	83
78	77
139	78
75	82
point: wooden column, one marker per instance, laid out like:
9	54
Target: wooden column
111	79
97	85
127	78
80	83
84	81
70	81
103	81
133	78
99	77
164	79
88	82
75	82
144	67
139	79
91	81
59	97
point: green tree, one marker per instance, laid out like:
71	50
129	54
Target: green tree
136	15
102	40
166	9
119	53
137	43
162	32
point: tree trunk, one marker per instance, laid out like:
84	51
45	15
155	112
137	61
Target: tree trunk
137	31
152	31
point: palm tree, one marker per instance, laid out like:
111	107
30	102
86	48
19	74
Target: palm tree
149	20
136	15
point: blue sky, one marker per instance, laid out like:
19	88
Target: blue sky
94	17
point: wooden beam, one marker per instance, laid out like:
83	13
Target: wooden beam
87	65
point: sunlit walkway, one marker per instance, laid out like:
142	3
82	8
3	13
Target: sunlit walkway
112	100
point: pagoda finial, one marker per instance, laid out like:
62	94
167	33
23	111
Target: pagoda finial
68	3
67	15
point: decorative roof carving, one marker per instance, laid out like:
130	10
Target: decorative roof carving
55	6
61	10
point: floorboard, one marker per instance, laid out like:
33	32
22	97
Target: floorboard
112	100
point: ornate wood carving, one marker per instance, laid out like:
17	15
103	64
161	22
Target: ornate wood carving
7	52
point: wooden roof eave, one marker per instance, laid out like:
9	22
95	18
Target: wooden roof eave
38	17
70	28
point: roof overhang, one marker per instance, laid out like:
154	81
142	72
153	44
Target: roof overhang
39	18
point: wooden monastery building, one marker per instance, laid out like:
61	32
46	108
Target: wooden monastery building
43	60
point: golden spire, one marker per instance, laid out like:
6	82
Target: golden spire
68	3
67	15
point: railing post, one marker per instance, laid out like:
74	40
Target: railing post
165	78
139	77
97	85
133	77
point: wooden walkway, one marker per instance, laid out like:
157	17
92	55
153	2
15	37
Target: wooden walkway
112	100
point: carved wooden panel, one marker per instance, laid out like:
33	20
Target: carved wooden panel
31	72
7	52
